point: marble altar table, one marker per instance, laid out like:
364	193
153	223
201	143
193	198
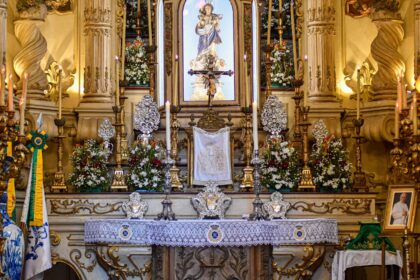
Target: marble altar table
211	249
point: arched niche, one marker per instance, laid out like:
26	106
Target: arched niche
228	50
62	270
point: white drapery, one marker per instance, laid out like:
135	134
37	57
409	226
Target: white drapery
212	157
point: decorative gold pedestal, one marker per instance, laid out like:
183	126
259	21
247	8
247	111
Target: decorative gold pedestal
306	182
59	184
118	181
174	170
176	183
248	180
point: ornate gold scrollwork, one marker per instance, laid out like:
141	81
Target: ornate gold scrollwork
70	207
302	270
110	261
55	238
76	255
345	206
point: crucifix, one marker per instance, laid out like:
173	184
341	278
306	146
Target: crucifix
211	77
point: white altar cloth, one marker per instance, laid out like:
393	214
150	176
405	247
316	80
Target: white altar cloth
352	258
199	233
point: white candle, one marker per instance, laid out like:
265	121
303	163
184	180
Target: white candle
176	81
10	93
60	105
292	17
415	113
22	104
117	81
2	77
404	92
270	4
255	125
358	94
168	125
397	120
149	21
399	92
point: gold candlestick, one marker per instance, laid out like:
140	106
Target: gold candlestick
174	170
247	180
118	182
306	182
297	133
268	50
59	184
124	141
359	175
406	255
151	50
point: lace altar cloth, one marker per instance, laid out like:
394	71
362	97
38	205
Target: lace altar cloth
200	233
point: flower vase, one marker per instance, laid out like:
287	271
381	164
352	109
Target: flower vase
12	255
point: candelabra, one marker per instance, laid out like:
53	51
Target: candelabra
59	182
167	213
118	182
258	212
405	156
247	180
176	183
268	49
359	174
406	255
151	50
306	182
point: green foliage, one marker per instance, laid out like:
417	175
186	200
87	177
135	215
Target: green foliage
136	69
282	70
90	172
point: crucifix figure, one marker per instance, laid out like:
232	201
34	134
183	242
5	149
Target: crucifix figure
211	77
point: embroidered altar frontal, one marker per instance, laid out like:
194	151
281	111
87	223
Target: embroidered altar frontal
199	233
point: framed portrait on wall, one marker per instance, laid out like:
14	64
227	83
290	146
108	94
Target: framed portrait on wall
400	207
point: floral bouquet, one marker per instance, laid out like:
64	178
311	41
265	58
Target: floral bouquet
146	171
90	172
331	169
282	70
136	69
281	168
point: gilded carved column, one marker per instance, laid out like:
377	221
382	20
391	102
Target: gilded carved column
384	50
417	37
98	84
321	50
34	48
3	30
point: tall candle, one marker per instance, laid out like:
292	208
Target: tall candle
415	113
176	81
404	94
60	97
22	104
399	92
270	4
255	125
10	93
397	120
247	96
292	16
117	81
123	42
2	88
358	94
149	21
168	125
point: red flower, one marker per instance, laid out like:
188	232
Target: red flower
285	165
156	162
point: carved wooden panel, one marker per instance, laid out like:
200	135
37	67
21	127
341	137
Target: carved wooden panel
168	38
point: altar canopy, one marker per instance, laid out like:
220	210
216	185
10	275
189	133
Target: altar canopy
212	157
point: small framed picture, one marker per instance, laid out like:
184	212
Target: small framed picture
400	207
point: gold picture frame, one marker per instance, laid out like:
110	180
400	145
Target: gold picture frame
400	199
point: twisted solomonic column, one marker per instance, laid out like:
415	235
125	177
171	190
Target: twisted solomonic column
384	50
34	48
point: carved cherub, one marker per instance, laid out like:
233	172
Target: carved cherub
135	208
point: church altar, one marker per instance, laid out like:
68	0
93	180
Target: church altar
199	233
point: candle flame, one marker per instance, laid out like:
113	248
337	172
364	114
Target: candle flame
306	57
176	57
25	75
245	57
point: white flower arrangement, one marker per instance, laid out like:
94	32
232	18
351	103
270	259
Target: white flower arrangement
282	70
136	69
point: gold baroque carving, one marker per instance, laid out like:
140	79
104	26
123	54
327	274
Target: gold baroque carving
96	15
55	238
59	6
168	38
111	263
302	270
76	255
345	206
56	259
248	34
69	207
